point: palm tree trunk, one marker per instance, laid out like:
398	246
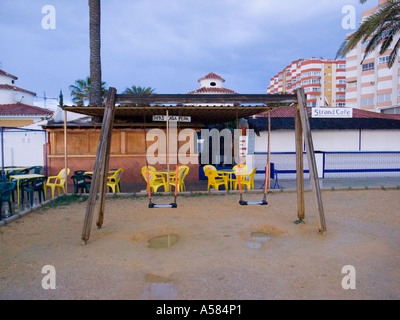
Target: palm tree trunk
95	47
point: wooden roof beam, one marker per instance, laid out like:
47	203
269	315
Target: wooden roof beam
148	99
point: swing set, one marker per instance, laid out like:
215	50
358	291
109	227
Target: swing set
263	202
203	109
174	204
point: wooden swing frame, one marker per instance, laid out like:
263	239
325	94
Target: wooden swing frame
216	107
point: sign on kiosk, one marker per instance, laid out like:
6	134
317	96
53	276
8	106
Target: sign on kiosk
171	118
332	113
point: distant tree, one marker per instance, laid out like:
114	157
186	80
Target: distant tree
378	29
80	91
61	99
96	94
139	90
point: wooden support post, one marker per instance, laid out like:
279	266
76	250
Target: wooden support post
103	183
100	170
299	164
305	123
268	171
167	128
65	152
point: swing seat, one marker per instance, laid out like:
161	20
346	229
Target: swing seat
245	203
163	205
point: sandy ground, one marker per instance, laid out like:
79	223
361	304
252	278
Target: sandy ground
210	251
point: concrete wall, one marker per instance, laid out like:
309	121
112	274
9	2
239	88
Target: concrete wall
333	140
23	147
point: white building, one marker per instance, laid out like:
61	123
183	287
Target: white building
372	85
10	94
17	105
366	145
20	146
212	84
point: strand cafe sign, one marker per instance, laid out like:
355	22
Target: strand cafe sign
332	113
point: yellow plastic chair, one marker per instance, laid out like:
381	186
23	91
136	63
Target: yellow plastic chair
239	169
209	166
113	181
57	182
246	180
215	180
152	168
159	177
182	186
182	173
154	181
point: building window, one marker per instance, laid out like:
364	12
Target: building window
352	84
368	66
384	59
385	97
341	105
342	66
367	102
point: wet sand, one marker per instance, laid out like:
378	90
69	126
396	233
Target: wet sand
209	247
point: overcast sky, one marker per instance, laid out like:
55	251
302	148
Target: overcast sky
168	44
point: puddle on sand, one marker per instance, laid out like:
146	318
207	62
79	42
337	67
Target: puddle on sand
165	241
159	288
254	244
257	239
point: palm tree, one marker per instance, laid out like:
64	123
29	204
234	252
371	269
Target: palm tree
96	95
380	28
80	91
139	90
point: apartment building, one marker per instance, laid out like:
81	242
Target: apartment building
323	80
371	85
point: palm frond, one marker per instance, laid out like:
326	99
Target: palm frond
393	54
379	28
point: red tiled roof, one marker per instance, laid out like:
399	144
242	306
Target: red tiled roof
288	112
214	90
20	109
2	72
212	75
14	88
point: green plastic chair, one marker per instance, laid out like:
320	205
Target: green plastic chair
6	191
30	187
36	170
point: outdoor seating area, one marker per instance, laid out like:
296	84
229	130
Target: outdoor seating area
167	179
30	185
22	187
18	181
229	178
58	182
82	180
